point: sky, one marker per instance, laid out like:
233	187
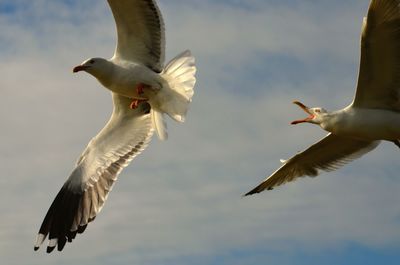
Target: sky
180	202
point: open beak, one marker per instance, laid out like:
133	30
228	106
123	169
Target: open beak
79	68
306	109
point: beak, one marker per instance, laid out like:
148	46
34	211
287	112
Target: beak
79	68
306	109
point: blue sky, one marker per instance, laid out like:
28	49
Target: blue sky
180	201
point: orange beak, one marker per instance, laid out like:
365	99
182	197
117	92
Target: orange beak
306	109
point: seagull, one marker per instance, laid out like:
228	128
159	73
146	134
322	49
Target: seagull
143	91
374	114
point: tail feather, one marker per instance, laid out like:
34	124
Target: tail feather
182	59
180	75
159	124
177	92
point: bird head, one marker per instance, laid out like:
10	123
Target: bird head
91	66
316	115
100	68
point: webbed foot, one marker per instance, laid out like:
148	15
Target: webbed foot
135	103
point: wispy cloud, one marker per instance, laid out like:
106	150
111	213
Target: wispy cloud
179	202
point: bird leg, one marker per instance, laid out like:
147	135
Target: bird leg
396	142
135	103
140	89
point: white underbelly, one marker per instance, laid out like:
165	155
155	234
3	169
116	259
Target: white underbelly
128	89
125	83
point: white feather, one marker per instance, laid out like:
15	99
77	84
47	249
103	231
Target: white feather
159	124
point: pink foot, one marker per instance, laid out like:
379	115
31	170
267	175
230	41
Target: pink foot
140	88
135	103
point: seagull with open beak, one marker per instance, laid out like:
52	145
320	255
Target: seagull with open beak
374	114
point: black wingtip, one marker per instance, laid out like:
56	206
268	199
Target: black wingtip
50	249
248	194
71	235
60	217
35	248
81	229
61	243
253	191
256	190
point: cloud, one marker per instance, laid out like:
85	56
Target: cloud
179	202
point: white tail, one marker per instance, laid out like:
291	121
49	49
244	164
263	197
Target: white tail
176	93
180	76
159	124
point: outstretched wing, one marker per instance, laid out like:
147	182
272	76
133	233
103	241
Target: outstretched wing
140	30
83	195
379	77
328	154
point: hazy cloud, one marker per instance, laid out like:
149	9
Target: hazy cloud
179	202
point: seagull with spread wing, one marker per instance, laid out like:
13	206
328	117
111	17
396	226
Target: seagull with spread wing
373	115
143	91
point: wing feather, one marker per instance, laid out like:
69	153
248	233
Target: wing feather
379	77
140	32
83	195
329	154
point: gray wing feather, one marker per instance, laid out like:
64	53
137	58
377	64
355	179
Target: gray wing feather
379	76
330	153
126	135
140	32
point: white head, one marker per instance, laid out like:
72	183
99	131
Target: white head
94	66
316	115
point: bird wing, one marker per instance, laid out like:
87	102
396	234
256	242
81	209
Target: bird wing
83	195
328	154
379	76
140	32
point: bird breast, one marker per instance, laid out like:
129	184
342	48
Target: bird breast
369	124
126	77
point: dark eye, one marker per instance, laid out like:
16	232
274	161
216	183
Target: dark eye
91	61
317	110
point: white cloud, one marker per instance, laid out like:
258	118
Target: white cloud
182	198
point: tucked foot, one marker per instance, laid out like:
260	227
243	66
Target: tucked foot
140	88
396	142
135	103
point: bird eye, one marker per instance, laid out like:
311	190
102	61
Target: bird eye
317	110
91	61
